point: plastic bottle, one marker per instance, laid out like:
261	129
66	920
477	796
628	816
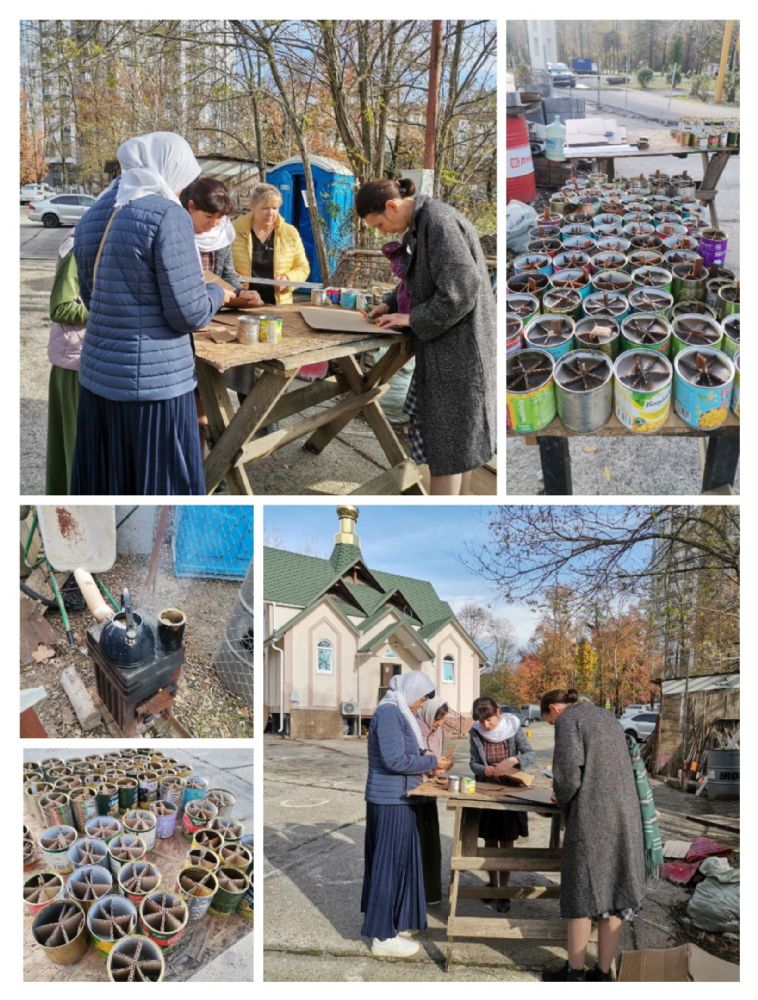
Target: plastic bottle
555	140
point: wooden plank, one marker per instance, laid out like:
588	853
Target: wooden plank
391	482
509	892
550	861
220	413
251	415
501	927
260	447
310	395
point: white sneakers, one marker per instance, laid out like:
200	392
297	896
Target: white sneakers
396	947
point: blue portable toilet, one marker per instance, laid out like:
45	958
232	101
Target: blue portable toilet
335	193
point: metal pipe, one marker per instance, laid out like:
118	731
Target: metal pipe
280	651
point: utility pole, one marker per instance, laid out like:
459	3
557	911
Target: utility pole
432	99
725	46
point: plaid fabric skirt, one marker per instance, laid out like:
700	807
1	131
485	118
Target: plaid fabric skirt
414	430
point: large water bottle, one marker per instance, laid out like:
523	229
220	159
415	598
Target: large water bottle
555	140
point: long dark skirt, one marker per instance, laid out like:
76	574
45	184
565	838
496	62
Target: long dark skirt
431	850
137	449
393	878
496	825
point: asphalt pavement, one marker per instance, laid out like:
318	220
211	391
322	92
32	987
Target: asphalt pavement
314	829
652	105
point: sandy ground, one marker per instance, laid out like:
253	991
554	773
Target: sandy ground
213	950
314	830
203	705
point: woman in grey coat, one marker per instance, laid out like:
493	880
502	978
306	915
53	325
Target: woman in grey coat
452	317
603	868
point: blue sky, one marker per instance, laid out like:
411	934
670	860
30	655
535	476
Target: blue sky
428	542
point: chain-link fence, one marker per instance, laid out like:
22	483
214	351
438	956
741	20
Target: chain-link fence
234	657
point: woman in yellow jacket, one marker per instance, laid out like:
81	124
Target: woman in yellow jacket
268	247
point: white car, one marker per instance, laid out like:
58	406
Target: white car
61	209
31	191
641	725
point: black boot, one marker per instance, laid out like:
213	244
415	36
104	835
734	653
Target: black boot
564	974
596	976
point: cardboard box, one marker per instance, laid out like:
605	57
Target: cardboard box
685	964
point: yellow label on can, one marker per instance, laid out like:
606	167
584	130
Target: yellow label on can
643	412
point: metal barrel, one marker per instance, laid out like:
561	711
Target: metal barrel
584	390
723	774
163	917
88	884
60	929
197	887
136	959
232	886
109	920
41	888
702	399
165	816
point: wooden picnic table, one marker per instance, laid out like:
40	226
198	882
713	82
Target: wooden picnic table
722	450
467	856
233	434
714	160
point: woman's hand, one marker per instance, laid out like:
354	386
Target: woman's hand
229	294
444	763
280	277
507	766
247	298
394	320
379	310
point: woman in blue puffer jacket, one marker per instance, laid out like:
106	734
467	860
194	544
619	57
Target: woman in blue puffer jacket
141	280
393	898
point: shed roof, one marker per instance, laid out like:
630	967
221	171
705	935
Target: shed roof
708	682
325	162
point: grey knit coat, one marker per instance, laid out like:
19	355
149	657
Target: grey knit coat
453	319
603	867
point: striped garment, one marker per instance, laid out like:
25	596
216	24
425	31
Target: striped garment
651	832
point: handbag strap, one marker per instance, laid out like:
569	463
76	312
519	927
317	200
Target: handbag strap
102	244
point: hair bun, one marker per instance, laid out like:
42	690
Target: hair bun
572	695
406	187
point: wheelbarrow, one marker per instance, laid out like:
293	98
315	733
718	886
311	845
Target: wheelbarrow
75	539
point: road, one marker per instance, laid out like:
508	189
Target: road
653	105
314	830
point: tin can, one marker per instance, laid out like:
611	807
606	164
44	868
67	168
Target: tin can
530	391
248	329
690	330
513	331
730	326
453	783
333	294
584	390
147	789
468	785
197	887
728	299
60	930
703	382
136	958
364	302
646	331
41	888
713	245
232	886
107	799
348	297
163	918
735	404
270	329
523	305
319	297
106	914
642	389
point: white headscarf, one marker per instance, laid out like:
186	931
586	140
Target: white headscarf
505	729
404	690
157	163
222	235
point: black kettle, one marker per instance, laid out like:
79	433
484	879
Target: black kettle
127	639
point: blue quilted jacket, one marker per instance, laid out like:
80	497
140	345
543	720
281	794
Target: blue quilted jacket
395	764
149	295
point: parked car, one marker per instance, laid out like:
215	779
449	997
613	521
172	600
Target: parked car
512	710
532	713
561	75
31	191
633	709
641	725
60	210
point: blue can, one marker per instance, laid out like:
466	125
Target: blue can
552	333
703	383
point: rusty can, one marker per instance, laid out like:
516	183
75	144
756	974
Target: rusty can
270	329
319	297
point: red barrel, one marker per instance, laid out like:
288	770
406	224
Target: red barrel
519	169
